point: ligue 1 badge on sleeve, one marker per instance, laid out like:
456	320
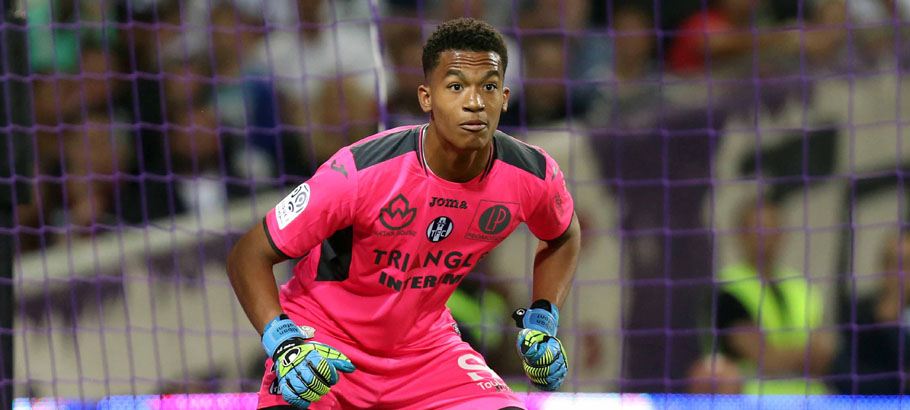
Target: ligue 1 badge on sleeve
292	205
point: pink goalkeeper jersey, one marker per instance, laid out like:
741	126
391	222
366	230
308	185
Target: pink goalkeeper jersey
385	242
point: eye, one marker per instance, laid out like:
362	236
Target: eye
455	87
490	87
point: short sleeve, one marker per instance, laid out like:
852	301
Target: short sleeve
315	209
553	213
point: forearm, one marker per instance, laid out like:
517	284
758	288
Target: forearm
250	272
554	266
752	345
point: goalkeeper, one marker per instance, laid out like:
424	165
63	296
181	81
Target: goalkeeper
387	228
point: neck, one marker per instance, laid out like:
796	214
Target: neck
450	163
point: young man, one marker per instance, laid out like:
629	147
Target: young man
386	229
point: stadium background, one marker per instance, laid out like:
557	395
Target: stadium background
140	138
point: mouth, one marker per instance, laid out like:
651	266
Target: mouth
473	125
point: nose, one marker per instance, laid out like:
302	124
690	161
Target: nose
473	101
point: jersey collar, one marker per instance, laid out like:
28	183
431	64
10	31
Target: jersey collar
422	158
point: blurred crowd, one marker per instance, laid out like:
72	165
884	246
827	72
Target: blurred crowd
145	110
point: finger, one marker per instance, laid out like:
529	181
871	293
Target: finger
558	373
336	358
555	385
537	374
301	380
343	365
320	371
542	355
289	394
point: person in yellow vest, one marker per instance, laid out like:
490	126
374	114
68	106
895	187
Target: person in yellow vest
767	314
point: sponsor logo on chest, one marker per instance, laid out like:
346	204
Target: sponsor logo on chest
492	221
404	261
396	217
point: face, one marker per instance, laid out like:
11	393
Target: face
738	10
465	97
633	40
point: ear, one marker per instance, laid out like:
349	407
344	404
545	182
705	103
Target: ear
424	98
505	99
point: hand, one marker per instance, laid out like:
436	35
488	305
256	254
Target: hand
305	370
543	355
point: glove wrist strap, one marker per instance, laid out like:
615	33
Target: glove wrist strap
542	316
279	330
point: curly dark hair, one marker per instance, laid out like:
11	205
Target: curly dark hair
465	34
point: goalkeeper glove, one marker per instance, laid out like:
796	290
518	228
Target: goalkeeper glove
542	354
305	370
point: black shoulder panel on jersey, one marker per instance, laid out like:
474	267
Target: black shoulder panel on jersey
385	148
516	153
335	257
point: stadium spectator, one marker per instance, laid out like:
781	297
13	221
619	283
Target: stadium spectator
404	67
722	36
870	360
543	96
334	127
95	155
70	111
628	101
768	314
878	31
729	36
315	52
554	14
201	156
245	98
89	159
556	68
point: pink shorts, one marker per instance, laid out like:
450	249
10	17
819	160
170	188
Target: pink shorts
449	375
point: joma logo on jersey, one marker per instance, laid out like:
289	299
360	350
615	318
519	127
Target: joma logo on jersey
448	203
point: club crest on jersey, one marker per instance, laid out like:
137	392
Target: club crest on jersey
292	205
439	229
